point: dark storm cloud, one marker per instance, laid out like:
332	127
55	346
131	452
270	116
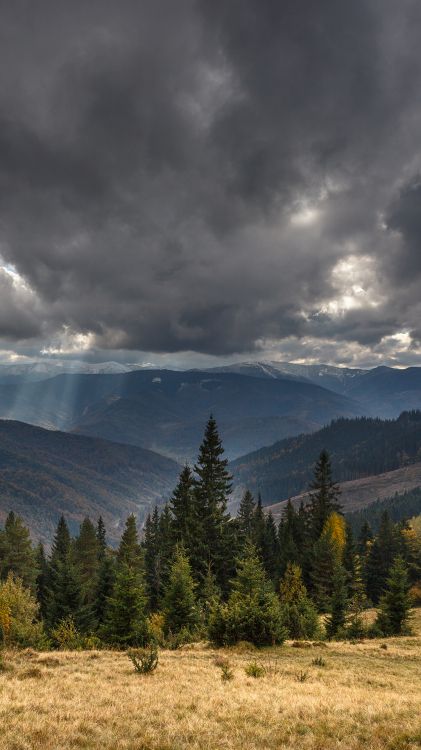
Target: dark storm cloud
157	160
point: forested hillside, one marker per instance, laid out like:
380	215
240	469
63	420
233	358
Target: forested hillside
358	448
45	473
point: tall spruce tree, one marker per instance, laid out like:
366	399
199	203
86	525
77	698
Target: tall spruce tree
42	579
338	605
215	541
324	496
184	519
126	608
64	597
245	518
382	552
179	603
395	604
86	554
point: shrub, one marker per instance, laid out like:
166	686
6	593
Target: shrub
19	615
225	667
301	676
66	635
319	662
255	670
144	660
155	624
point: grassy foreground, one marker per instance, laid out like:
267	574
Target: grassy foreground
364	696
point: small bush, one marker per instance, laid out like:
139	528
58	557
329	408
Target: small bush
227	673
144	660
255	670
174	641
66	635
319	662
301	644
301	676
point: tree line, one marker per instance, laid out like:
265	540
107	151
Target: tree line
196	572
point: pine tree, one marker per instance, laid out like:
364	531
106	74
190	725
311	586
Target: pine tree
179	602
288	548
64	596
365	537
299	614
349	558
324	496
324	559
270	549
104	588
245	518
184	519
101	536
214	543
380	558
152	560
252	612
395	604
125	619
17	555
86	557
126	608
42	579
338	603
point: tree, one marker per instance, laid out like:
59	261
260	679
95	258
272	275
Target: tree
126	608
338	603
323	561
42	579
184	522
125	618
86	553
299	614
287	534
19	615
324	496
101	536
17	555
152	559
252	612
180	608
349	558
382	552
395	604
214	543
64	596
245	518
335	528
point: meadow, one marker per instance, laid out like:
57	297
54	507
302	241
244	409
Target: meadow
320	696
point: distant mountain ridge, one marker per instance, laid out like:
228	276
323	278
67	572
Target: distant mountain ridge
45	473
166	410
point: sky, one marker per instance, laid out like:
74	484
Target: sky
199	181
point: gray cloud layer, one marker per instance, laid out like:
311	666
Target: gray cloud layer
218	176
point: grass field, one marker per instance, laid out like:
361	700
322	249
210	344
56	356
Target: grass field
364	696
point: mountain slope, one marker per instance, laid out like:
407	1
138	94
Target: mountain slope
358	447
45	473
166	411
358	494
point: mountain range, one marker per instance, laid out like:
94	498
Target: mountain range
110	438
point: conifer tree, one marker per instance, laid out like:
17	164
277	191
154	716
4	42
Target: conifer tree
153	577
64	597
288	548
179	603
17	555
338	603
126	608
365	537
184	521
104	587
101	536
395	604
381	554
270	549
324	559
324	496
245	518
42	579
215	541
252	612
86	557
299	614
349	558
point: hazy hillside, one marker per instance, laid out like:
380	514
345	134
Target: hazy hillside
358	447
45	473
166	411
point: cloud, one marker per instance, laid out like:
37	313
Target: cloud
208	176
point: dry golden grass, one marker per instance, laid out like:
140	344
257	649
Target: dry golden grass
365	696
